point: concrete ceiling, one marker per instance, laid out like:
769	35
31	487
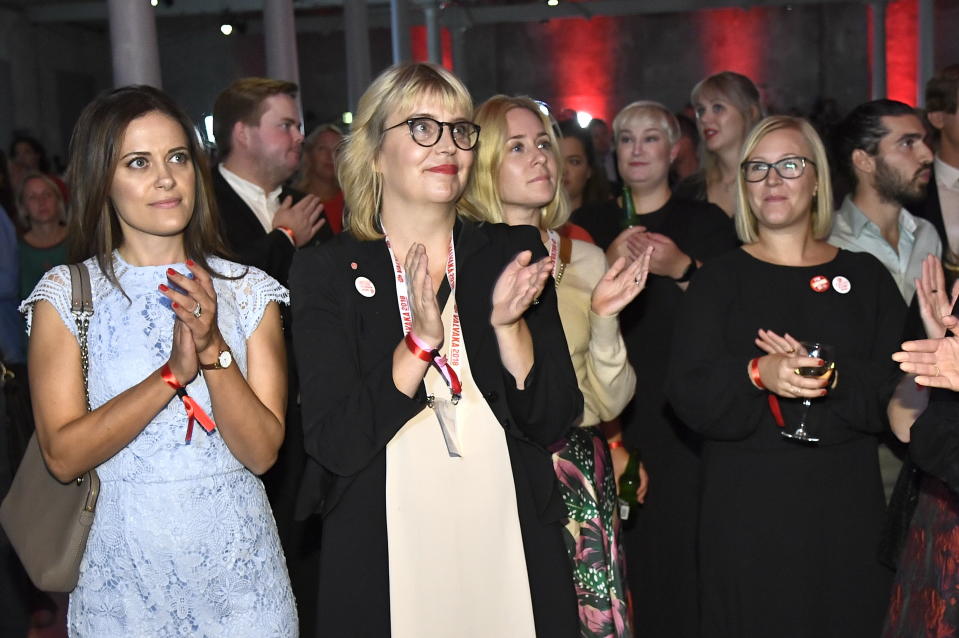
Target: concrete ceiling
454	14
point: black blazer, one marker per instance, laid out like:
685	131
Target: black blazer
344	343
245	238
931	210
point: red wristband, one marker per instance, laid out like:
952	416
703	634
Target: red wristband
615	444
288	232
754	374
417	350
169	377
193	410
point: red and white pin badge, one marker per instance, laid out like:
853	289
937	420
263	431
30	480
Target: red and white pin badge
364	286
841	285
819	283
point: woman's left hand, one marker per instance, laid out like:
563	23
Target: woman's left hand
934	300
667	259
196	309
620	285
520	283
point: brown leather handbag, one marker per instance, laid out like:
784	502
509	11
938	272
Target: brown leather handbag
47	521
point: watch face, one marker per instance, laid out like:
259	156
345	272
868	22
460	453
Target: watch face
225	359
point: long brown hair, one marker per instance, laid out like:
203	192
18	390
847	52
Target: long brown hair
94	154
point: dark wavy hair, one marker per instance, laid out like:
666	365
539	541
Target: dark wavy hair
95	229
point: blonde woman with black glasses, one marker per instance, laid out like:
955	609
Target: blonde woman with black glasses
792	502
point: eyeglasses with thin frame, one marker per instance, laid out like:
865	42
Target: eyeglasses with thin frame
787	168
427	132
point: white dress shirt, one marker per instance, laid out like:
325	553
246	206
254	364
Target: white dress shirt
264	205
852	230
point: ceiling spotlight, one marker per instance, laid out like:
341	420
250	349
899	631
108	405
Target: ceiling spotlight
226	28
229	23
154	3
552	3
583	118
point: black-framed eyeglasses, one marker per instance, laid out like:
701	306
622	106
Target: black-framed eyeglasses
426	131
787	168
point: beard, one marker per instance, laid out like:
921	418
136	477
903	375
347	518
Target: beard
894	188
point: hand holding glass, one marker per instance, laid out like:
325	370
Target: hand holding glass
827	355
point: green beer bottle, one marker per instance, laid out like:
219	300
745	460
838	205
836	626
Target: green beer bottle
628	484
630	218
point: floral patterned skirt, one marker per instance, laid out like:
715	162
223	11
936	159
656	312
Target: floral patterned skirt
592	534
925	595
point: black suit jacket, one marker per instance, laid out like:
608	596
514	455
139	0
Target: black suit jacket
931	210
344	345
245	238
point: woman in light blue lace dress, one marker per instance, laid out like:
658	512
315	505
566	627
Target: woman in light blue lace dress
184	542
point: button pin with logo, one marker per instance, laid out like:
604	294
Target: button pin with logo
819	283
364	286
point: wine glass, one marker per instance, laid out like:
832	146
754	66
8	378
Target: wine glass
826	354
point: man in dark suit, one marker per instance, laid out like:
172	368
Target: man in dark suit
942	194
257	126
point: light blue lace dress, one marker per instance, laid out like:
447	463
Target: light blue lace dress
184	542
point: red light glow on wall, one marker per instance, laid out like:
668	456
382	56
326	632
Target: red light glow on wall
901	50
733	40
585	63
420	49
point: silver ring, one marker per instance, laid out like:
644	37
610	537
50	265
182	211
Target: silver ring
198	310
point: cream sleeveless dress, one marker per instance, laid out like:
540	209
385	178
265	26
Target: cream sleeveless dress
457	566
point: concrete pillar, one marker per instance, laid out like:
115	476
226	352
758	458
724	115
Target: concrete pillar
878	30
432	14
400	30
925	56
133	43
459	53
356	26
279	34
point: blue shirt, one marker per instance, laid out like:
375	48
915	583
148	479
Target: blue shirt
852	230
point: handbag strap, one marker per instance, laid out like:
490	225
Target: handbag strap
81	307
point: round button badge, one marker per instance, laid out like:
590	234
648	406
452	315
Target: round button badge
819	283
365	287
841	285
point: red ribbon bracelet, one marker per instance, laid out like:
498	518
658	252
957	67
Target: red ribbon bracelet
193	410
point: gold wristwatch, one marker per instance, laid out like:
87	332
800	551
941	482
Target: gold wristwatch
223	360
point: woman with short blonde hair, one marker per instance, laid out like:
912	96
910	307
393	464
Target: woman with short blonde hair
434	378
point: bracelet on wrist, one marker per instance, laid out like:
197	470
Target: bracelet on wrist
754	376
286	230
419	348
193	410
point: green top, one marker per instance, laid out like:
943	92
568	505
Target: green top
34	262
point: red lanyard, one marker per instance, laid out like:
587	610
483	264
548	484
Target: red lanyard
443	364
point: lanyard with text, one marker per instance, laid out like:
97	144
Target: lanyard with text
557	260
444	364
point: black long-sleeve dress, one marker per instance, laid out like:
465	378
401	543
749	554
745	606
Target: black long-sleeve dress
344	343
788	531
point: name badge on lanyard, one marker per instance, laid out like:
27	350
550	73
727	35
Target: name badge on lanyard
444	409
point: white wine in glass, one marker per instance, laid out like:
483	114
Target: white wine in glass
826	354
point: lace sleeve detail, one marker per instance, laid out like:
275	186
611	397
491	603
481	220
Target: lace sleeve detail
53	287
254	292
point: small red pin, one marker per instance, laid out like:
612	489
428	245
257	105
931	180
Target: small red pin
819	283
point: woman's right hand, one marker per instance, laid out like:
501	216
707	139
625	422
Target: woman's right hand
427	321
183	362
779	373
